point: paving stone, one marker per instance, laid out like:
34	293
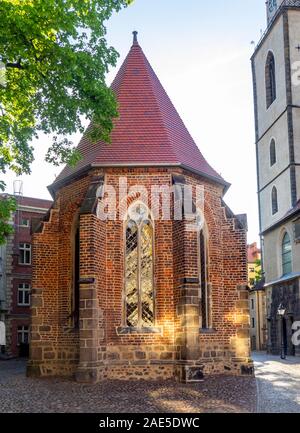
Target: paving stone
216	394
278	383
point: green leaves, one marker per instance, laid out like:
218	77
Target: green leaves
8	205
55	57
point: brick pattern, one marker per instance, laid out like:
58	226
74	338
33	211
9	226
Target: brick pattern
16	273
177	346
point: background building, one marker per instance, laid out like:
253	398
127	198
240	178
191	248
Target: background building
257	299
15	274
254	263
258	317
277	120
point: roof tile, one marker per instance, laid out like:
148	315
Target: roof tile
148	131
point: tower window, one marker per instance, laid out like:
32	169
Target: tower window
274	201
204	287
139	288
270	73
273	158
286	254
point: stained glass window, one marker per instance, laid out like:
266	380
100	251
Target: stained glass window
139	290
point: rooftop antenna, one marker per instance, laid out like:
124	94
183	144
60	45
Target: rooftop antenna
18	188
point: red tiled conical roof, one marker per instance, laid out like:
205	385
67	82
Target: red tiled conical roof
149	130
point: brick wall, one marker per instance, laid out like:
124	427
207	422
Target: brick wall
176	347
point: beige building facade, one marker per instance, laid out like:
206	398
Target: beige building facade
276	79
257	300
258	322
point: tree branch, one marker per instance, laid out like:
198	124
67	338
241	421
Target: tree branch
15	65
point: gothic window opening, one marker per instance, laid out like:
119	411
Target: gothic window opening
273	157
204	286
274	201
76	278
286	254
270	79
139	287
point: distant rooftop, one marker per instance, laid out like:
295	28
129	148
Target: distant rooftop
29	201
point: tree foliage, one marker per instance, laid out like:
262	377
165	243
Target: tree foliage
258	271
55	57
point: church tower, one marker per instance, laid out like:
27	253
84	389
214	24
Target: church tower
277	121
145	292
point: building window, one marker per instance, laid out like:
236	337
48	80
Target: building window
253	322
273	158
252	304
139	287
25	254
270	79
24	295
25	222
286	254
274	201
204	286
297	230
23	334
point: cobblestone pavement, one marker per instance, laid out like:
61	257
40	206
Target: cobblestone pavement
278	383
215	394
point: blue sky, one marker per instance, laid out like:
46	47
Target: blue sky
201	52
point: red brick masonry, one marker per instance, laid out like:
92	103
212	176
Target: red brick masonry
153	146
98	349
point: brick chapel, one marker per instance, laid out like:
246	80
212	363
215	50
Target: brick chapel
138	296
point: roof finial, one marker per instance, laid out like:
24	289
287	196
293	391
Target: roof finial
135	40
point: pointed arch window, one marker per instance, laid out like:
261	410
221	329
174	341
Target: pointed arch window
204	286
274	201
75	293
270	73
273	157
286	254
139	286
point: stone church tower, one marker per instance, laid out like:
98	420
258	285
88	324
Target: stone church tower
140	294
276	78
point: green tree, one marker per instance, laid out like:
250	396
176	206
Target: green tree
55	56
258	271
